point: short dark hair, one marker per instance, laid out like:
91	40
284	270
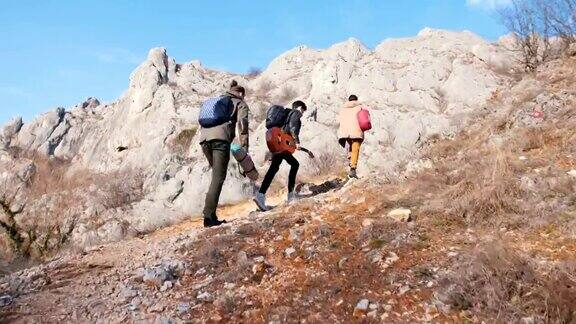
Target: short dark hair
233	84
239	89
353	98
299	104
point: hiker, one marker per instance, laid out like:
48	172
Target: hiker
290	125
351	132
216	137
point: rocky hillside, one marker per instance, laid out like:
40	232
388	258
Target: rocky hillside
478	228
103	172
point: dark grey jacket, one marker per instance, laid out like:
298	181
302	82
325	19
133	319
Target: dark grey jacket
227	132
294	124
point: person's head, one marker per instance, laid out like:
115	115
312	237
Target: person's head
299	105
239	90
353	98
233	84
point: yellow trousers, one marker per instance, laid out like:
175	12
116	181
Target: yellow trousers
354	151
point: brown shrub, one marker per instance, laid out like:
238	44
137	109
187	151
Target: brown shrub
254	72
287	93
500	284
57	196
262	92
486	189
326	164
531	139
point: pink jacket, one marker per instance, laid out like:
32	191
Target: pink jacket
349	127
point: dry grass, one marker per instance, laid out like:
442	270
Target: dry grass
56	198
325	164
287	93
505	286
478	176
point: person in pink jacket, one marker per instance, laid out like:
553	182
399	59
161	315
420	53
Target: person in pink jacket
349	132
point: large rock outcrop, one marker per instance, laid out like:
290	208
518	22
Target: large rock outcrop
415	88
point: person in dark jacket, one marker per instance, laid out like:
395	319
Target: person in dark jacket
292	127
215	142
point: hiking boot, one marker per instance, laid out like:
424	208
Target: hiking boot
352	174
211	222
260	200
291	197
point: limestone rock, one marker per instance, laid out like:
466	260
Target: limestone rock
9	130
361	308
156	276
400	214
413	87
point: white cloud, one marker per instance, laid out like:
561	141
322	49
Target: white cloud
488	4
116	55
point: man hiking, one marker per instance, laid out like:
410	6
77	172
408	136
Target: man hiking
288	133
351	131
219	118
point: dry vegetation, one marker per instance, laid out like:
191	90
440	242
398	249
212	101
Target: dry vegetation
327	164
254	72
55	199
502	284
509	173
287	93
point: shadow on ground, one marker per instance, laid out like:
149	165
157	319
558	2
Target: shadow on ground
306	190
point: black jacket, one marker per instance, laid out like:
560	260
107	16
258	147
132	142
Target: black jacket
294	124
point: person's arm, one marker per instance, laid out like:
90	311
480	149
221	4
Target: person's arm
294	126
243	124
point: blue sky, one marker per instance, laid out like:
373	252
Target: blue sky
56	53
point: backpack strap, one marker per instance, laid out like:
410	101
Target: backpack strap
234	106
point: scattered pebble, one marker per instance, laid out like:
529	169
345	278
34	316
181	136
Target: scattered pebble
361	308
183	308
166	286
342	262
404	289
400	215
289	251
6	300
367	222
205	297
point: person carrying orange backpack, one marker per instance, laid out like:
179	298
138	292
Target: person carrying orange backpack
354	121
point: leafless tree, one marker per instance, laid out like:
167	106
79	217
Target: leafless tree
253	72
535	23
521	18
561	15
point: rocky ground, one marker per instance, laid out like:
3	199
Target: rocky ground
479	227
334	257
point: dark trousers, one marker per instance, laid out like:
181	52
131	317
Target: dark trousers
217	153
275	166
